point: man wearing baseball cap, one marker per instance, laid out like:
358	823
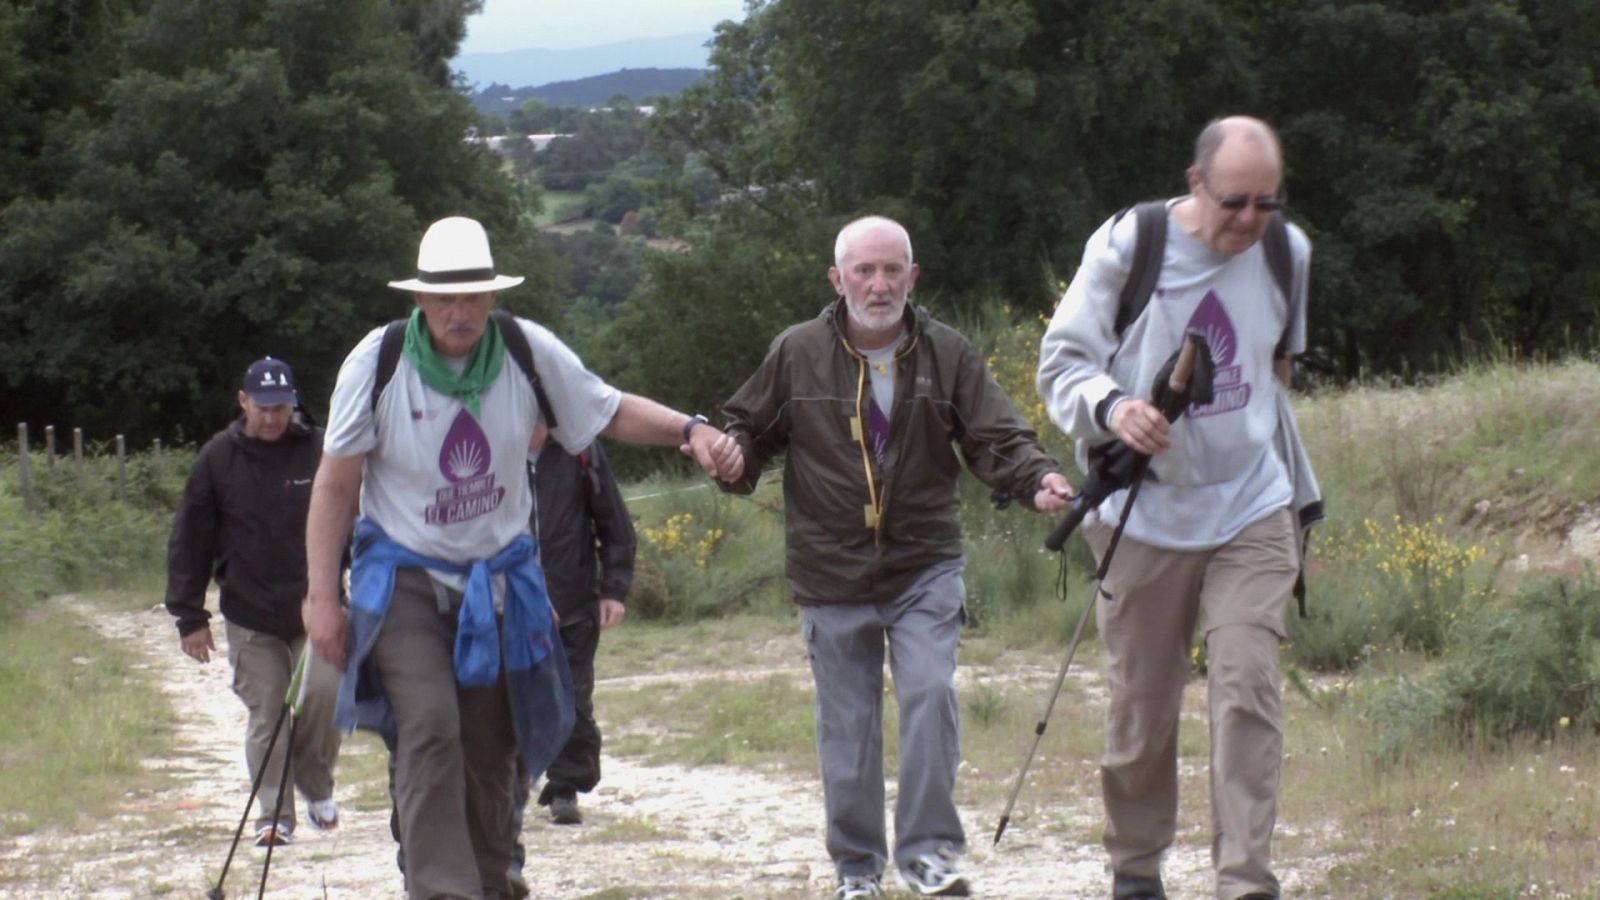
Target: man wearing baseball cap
242	520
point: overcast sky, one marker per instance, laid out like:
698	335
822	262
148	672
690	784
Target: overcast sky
518	24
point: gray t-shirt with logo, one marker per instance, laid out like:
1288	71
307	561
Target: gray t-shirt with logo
441	481
1222	472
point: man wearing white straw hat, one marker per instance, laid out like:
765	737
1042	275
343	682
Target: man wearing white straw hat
448	646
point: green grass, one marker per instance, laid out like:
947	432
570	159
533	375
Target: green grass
1485	801
77	720
558	206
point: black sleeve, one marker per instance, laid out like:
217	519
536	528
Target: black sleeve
192	548
613	528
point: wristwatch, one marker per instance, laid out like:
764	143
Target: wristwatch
694	420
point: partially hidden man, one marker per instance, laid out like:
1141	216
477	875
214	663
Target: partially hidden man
242	522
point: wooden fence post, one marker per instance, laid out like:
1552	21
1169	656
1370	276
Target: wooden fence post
77	450
22	468
122	468
50	447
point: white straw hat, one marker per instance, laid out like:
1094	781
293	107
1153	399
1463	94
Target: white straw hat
453	258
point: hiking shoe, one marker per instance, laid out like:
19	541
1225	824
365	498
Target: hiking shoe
859	887
935	875
564	810
1137	887
323	814
274	836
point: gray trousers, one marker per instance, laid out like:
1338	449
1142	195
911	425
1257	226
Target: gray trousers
1149	607
262	666
846	643
455	758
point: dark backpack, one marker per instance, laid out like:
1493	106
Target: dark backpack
1150	243
394	338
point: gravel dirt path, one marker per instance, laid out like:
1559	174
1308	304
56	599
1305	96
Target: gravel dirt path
651	831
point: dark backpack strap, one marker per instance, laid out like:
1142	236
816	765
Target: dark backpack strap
394	340
517	345
1150	243
1280	259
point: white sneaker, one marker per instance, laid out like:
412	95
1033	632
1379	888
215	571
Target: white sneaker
935	875
859	887
323	814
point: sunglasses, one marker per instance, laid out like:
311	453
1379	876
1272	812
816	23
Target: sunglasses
1237	202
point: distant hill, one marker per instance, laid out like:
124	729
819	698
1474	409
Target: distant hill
637	85
519	68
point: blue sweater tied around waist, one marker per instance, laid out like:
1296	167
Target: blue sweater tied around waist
526	647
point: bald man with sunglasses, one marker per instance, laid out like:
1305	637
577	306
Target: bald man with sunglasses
1211	543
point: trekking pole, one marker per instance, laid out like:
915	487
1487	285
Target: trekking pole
293	700
1072	650
216	892
1107	477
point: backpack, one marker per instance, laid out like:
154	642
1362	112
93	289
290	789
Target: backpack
1149	248
394	336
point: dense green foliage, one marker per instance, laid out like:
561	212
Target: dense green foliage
1441	160
240	178
195	185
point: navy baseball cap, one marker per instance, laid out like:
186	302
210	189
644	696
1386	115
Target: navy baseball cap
270	383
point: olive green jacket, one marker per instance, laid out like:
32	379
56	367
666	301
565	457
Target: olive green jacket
858	533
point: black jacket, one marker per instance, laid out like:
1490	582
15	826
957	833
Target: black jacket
578	514
243	521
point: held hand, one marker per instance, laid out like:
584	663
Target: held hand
611	612
1141	426
1054	493
198	644
327	628
716	452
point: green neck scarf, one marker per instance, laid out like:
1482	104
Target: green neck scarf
483	366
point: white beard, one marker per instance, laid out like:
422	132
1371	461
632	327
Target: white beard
875	322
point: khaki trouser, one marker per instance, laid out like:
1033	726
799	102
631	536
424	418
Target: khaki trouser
1149	606
455	759
262	666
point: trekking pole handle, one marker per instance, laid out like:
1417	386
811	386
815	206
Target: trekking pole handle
1058	536
1183	370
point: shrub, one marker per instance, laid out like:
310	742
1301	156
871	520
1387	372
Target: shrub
1390	585
704	553
1527	667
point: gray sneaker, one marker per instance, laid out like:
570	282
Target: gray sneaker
859	887
935	875
564	810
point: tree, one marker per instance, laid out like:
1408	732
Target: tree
600	142
1442	158
1445	162
223	203
998	130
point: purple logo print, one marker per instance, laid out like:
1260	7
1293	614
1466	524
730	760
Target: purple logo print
1231	393
464	462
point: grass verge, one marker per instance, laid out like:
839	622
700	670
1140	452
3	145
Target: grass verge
78	719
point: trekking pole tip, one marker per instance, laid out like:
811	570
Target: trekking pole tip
216	893
1000	830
